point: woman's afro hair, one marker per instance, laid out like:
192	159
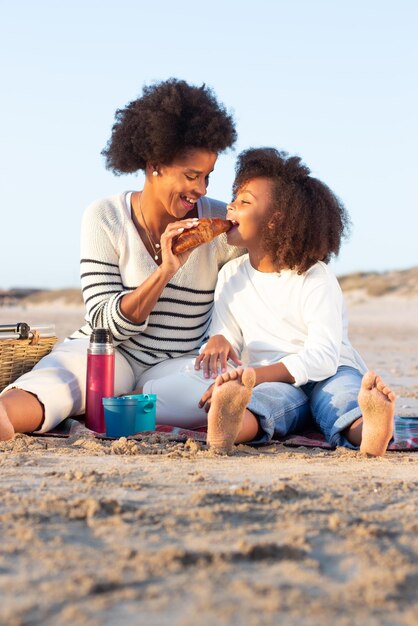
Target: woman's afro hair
170	118
307	220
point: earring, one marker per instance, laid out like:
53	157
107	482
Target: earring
155	173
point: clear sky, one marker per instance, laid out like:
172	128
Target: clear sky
335	82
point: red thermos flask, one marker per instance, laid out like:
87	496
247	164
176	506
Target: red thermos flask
100	377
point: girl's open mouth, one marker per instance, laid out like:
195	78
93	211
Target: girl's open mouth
234	223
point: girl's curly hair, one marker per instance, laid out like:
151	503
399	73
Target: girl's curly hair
307	220
170	118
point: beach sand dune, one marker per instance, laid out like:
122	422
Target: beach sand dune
160	532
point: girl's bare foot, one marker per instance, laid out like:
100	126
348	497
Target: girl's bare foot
377	402
231	394
6	429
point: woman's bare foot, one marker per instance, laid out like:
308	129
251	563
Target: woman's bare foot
377	402
231	394
6	429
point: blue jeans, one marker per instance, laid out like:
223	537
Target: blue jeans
332	404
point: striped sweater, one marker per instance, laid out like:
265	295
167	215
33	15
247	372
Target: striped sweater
114	261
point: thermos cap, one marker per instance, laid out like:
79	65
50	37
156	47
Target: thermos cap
101	335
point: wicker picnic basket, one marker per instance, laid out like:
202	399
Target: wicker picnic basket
20	353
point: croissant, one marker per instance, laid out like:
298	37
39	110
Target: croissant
206	230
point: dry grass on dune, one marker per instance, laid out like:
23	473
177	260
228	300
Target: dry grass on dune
69	297
396	282
375	284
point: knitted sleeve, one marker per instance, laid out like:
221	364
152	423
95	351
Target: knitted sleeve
101	280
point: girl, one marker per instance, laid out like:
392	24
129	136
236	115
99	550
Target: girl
280	309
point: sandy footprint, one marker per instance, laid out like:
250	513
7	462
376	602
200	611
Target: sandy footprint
230	396
377	402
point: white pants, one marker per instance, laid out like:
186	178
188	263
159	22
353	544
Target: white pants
179	388
59	382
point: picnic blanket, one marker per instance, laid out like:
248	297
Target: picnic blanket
405	435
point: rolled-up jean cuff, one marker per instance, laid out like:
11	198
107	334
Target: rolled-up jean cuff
261	409
336	437
265	428
275	424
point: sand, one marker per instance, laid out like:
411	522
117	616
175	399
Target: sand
158	532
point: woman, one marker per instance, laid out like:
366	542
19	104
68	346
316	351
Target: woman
156	304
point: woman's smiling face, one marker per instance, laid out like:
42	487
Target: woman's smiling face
180	185
249	212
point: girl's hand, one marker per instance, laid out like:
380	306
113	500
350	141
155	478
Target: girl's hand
215	355
205	400
170	262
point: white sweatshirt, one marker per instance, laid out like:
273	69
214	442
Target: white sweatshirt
298	320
